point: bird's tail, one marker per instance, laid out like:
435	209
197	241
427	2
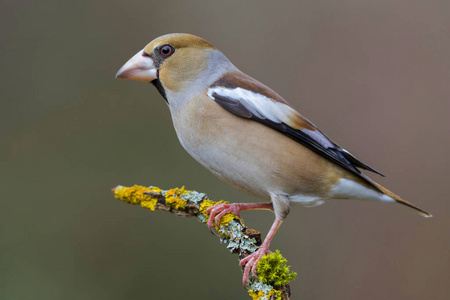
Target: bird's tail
402	201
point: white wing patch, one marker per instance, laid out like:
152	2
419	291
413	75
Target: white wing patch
263	107
259	105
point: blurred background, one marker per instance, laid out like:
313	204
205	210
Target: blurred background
373	75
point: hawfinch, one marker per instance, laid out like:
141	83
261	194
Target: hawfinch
248	135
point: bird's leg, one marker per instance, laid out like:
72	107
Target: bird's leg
251	261
218	211
281	208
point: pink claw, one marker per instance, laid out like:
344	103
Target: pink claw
218	211
251	263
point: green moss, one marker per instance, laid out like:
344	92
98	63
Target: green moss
272	270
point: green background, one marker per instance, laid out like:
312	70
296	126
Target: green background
373	75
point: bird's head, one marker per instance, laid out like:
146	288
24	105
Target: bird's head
173	62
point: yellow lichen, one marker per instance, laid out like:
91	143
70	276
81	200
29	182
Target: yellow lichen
207	204
150	204
255	296
173	198
260	295
135	195
227	218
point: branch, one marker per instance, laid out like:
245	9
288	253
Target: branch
273	274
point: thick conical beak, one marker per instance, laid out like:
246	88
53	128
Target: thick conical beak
140	67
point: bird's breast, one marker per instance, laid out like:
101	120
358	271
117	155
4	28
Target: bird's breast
248	155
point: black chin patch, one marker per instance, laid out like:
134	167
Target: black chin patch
160	88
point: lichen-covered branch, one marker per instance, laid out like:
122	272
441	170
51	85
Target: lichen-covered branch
273	273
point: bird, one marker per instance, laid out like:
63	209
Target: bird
249	136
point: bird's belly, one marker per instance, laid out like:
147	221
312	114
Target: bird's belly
250	156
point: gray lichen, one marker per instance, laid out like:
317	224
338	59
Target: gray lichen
194	197
232	233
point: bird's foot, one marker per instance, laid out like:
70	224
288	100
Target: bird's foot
218	211
251	263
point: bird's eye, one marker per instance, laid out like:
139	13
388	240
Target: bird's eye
166	50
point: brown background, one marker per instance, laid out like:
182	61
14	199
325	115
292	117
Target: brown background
373	75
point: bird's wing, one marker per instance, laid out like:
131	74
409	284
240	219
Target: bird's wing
247	98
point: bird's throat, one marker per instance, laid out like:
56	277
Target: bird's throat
160	88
